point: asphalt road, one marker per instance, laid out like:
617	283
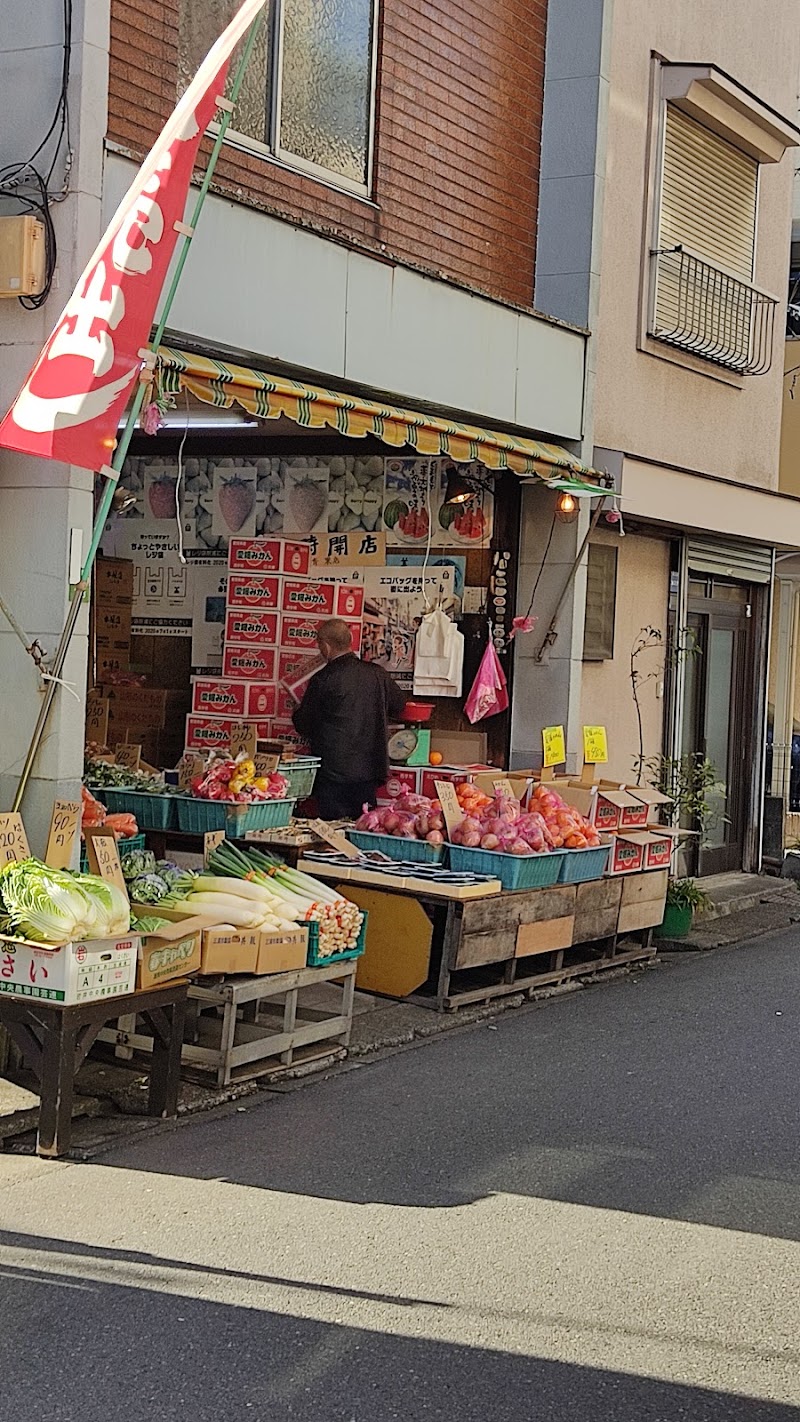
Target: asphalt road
590	1211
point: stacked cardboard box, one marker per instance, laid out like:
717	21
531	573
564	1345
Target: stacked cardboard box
274	607
112	614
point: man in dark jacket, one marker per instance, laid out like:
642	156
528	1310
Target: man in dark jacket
345	715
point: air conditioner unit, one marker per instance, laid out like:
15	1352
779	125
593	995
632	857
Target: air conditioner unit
22	256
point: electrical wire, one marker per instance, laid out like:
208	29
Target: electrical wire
541	568
23	184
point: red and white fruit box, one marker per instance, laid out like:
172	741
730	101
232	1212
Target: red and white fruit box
253	590
607	809
400	782
627	851
298	663
285	732
285	704
250	663
215	696
660	846
251	625
349	601
300	633
214	732
268	555
452	774
306	597
262	698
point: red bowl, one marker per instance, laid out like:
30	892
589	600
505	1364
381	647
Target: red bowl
418	711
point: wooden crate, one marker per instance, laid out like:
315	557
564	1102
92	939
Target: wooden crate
252	1026
643	899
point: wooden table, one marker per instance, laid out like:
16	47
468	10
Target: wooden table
56	1038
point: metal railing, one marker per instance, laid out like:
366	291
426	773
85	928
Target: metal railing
703	309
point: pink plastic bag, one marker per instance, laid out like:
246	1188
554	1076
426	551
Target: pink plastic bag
489	693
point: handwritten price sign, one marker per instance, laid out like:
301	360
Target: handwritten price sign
63	828
243	738
128	755
210	841
595	745
448	799
13	839
101	847
554	746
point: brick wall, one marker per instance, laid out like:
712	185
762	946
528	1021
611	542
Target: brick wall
455	182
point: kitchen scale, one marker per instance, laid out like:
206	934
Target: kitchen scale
412	745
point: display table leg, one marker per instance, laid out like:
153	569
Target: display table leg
348	996
56	1085
289	1023
226	1042
166	1024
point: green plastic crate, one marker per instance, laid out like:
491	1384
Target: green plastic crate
416	850
515	871
300	775
582	865
125	846
197	816
154	812
316	960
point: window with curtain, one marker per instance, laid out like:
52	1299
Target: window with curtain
308	95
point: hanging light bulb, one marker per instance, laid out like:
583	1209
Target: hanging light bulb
566	507
457	489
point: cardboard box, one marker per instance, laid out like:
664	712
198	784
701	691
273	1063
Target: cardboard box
607	809
400	782
224	951
643	901
147	706
285	732
244	625
660	846
113	581
460	747
268	555
322	599
113	625
173	952
262	699
109	663
301	633
219	696
293	665
250	590
486	780
627	852
214	732
282	952
657	803
455	774
70	973
251	663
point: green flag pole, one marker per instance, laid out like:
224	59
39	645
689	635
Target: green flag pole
54	674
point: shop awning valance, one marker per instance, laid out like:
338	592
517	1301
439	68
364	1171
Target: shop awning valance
268	396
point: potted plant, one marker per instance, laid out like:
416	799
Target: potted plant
685	898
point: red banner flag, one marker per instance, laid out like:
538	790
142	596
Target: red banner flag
70	406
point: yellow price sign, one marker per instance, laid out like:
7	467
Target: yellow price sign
554	746
595	745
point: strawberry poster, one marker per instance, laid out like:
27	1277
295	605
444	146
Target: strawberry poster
305	505
233	512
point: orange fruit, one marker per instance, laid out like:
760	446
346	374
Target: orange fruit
435	758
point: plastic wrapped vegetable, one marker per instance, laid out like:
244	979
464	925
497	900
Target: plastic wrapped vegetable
148	888
93	813
123	824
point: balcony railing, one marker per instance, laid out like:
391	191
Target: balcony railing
704	310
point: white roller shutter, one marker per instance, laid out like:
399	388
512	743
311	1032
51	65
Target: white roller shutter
749	563
708	196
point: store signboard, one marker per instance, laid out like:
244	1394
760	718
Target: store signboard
339	550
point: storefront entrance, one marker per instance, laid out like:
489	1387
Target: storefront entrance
717	713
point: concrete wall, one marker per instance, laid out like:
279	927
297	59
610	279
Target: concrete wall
41	502
335	312
649	406
790	425
606	699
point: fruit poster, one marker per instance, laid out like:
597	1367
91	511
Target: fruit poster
467	525
411	501
233	511
396	600
305	504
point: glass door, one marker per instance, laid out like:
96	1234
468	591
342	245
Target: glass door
716	717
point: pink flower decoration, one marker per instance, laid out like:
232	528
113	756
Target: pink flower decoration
151	420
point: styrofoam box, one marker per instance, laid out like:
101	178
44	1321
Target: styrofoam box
70	973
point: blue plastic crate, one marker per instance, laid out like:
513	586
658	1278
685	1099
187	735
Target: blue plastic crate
197	816
582	865
317	960
416	850
300	775
515	871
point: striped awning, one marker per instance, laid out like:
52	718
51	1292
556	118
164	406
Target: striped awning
268	396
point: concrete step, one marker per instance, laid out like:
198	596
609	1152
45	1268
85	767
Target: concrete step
739	893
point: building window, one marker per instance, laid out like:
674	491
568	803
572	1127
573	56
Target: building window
601	597
308	95
702	294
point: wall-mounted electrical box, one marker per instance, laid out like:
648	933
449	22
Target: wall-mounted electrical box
22	256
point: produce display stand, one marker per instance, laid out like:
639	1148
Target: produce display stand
55	1039
245	1027
488	944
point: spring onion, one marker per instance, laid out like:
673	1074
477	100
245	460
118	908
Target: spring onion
301	897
